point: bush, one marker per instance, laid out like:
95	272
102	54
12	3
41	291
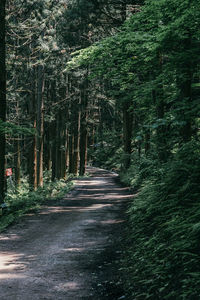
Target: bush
141	169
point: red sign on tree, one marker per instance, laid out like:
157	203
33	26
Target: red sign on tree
9	172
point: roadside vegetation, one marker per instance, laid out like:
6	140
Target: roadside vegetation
161	249
21	201
151	69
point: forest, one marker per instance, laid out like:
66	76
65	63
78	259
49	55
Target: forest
113	84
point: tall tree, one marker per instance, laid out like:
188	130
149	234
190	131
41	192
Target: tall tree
83	126
2	97
40	123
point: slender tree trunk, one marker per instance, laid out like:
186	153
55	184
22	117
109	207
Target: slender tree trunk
17	161
127	133
76	142
53	151
61	137
71	151
17	156
33	153
33	147
58	145
63	155
52	133
63	146
2	98
67	148
83	128
40	124
47	151
74	137
47	132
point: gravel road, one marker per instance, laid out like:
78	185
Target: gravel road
69	249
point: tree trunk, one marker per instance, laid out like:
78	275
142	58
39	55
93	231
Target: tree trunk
71	151
53	151
74	137
17	162
58	145
67	149
40	124
47	148
76	144
63	157
127	133
61	138
63	147
33	147
83	128
2	98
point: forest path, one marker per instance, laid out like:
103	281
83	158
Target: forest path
68	250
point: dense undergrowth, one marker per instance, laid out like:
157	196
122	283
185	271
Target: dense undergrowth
162	260
21	201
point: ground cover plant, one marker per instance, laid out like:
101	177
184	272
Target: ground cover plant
163	260
20	201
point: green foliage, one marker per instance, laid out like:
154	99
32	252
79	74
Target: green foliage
107	152
163	261
141	170
21	201
15	130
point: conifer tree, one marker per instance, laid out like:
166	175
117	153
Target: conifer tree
2	98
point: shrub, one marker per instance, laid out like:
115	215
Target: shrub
163	261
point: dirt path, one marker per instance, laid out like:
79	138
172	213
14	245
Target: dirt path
68	250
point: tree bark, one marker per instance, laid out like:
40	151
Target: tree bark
83	128
40	124
53	151
47	148
127	133
33	147
2	98
17	162
76	139
74	136
63	148
71	151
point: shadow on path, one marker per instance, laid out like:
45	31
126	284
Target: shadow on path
70	249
